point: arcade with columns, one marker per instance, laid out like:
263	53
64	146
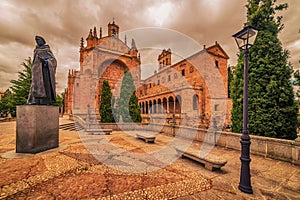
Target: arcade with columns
176	93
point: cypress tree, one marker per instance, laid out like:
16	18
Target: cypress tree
272	109
230	78
129	109
106	104
134	109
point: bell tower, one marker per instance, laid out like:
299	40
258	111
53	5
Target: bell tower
113	29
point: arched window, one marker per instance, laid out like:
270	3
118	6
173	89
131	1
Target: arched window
113	32
195	102
217	63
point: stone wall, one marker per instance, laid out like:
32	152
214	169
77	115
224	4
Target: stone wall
279	149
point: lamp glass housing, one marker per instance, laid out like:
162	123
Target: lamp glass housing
246	37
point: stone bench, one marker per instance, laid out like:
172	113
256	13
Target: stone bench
146	137
210	161
98	131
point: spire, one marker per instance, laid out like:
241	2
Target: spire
125	40
95	32
100	32
81	43
133	46
90	36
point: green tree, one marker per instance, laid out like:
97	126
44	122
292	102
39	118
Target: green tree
19	89
272	109
6	105
128	106
296	82
106	112
59	102
297	78
230	78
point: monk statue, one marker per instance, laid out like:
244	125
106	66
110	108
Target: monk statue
42	90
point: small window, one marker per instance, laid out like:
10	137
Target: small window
169	78
77	84
216	107
150	85
195	101
158	82
163	63
183	72
167	61
141	92
217	63
191	69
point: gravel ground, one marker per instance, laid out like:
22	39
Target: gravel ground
72	172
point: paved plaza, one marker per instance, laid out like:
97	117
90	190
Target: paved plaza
72	172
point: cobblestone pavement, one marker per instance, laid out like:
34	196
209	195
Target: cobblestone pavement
72	172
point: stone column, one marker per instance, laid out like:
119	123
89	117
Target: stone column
168	105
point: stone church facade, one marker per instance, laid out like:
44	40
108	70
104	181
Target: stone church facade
103	58
191	92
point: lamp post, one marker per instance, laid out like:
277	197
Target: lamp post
245	39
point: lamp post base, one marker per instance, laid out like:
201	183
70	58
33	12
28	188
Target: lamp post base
245	189
245	177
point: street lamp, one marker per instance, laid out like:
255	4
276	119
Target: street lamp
245	39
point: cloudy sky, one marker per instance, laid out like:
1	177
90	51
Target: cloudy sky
63	22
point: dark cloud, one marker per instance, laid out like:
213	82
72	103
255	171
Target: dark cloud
63	22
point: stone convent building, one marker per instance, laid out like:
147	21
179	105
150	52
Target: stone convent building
190	91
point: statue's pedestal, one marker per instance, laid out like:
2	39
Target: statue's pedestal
37	128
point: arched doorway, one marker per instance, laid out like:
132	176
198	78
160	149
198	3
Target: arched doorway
159	106
143	107
165	105
147	107
150	107
171	104
154	106
178	104
111	70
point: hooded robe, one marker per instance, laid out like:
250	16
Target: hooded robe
42	91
